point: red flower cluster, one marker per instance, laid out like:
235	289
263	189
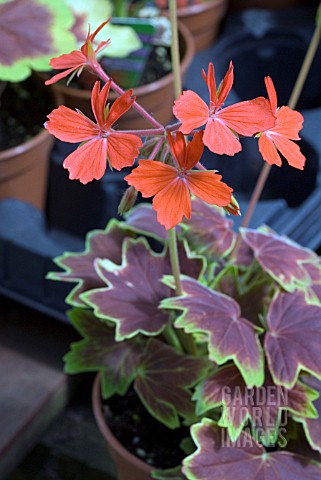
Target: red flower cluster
76	60
171	185
102	143
222	125
288	123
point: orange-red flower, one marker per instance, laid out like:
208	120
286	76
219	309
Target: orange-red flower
222	125
102	143
171	185
77	60
287	126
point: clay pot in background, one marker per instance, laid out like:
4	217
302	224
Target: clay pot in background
203	21
128	466
25	145
24	170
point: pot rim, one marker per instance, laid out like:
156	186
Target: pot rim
143	89
108	435
42	136
202	7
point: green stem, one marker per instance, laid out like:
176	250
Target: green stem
296	92
172	240
120	8
186	340
306	65
171	338
175	49
256	194
173	252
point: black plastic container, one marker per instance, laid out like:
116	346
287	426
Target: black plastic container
76	208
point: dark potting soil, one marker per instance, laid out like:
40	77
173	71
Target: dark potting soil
24	108
158	65
142	434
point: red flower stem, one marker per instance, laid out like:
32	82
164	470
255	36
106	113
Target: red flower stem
145	133
199	166
99	71
296	92
156	149
173	127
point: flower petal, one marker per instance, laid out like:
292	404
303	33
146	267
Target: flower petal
268	151
191	110
102	46
219	138
178	147
61	75
70	126
195	150
210	82
208	187
87	47
99	100
249	117
120	106
172	198
226	85
173	203
290	151
271	93
150	177
122	149
88	162
72	60
288	123
91	36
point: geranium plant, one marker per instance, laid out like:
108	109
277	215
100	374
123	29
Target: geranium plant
212	329
31	33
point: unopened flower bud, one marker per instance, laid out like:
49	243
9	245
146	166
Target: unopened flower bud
233	207
128	200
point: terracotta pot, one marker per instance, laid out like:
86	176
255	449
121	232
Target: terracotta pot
128	466
156	97
24	170
203	21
